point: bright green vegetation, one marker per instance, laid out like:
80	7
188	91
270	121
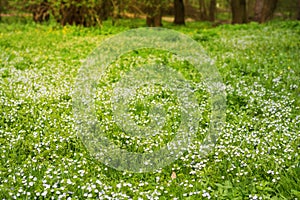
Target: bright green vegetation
257	152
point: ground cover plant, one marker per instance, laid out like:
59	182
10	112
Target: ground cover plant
256	155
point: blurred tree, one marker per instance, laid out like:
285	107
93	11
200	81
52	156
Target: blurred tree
79	12
93	12
1	9
191	9
118	9
116	12
264	10
153	10
154	19
298	10
15	7
203	10
105	9
250	9
207	10
40	11
179	12
212	10
239	12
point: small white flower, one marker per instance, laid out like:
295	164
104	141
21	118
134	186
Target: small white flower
44	193
119	185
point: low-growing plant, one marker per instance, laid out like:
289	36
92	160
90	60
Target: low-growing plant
256	155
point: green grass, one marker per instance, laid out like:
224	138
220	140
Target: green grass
257	152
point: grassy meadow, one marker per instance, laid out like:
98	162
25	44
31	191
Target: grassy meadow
256	155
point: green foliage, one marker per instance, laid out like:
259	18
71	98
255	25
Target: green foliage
257	153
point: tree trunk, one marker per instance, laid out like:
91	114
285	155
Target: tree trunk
259	4
179	12
298	15
264	10
251	9
268	10
154	20
212	10
106	8
1	7
154	14
203	10
239	13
